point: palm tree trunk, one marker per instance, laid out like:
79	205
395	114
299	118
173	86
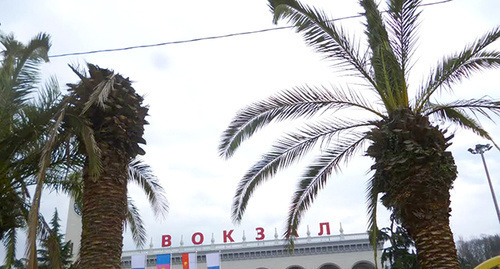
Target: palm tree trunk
436	248
415	173
104	212
424	209
423	206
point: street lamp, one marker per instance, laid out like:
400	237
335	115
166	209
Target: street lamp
480	149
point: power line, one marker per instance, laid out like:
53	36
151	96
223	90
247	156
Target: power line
208	38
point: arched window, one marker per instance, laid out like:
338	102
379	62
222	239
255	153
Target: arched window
364	265
295	267
329	266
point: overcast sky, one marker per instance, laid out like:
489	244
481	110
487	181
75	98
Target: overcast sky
194	89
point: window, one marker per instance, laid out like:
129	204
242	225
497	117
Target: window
329	266
363	265
295	267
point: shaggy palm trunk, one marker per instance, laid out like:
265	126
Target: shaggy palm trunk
414	173
104	212
118	125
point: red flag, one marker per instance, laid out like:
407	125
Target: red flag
185	261
189	261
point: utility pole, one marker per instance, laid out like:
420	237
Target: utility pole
481	149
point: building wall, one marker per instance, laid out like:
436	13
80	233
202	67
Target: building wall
342	260
323	252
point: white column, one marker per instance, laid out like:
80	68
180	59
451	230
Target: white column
74	228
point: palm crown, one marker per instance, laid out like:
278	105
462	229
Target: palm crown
384	69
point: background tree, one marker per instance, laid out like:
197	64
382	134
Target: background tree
54	253
26	108
400	254
19	80
16	264
413	171
473	252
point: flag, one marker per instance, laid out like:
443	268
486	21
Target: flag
213	260
188	260
163	261
139	261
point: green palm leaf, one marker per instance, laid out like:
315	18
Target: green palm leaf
142	174
403	23
316	175
483	106
291	104
389	76
136	224
372	203
460	66
284	153
322	34
458	116
40	178
10	245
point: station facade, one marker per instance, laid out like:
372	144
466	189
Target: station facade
349	251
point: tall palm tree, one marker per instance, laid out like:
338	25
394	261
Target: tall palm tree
413	171
110	119
98	124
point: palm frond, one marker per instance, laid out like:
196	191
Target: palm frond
82	128
317	174
142	174
322	34
19	74
137	228
287	105
403	24
372	203
458	116
455	68
49	95
80	72
284	153
100	93
40	178
482	106
71	185
27	67
389	76
10	246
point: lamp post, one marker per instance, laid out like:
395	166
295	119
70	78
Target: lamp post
480	149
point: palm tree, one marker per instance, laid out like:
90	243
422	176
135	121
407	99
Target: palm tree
19	78
24	114
413	171
98	124
108	117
